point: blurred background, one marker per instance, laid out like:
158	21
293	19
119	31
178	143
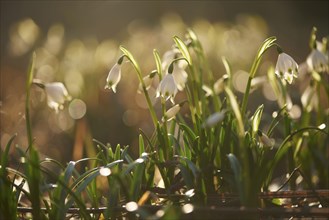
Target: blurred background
77	42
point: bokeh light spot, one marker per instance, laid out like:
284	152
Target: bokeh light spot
187	208
131	206
77	109
104	171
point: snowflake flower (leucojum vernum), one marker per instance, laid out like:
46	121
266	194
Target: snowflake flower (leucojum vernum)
317	61
167	88
265	140
171	113
180	77
56	94
309	98
113	77
169	56
147	81
286	67
214	119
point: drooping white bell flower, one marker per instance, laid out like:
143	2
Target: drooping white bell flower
317	61
56	95
169	56
113	77
214	119
171	113
265	140
180	77
310	98
286	67
147	81
219	85
167	88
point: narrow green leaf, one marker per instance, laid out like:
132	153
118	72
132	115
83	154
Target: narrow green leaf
88	178
117	154
227	67
265	45
125	155
141	145
27	101
236	167
187	177
68	172
236	110
255	120
157	62
5	154
183	49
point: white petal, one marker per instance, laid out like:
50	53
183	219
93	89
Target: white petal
172	112
113	77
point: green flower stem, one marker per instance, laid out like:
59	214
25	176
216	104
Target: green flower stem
268	43
291	162
139	74
166	147
198	49
27	101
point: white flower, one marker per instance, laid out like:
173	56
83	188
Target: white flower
114	77
286	67
180	77
310	98
207	90
317	61
169	56
266	141
214	119
56	95
167	88
147	82
171	113
219	85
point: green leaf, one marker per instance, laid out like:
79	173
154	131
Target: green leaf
68	172
255	120
183	49
136	185
5	154
117	154
125	155
88	177
236	167
236	110
265	45
27	101
157	62
141	145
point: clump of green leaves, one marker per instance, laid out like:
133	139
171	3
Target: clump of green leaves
217	146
